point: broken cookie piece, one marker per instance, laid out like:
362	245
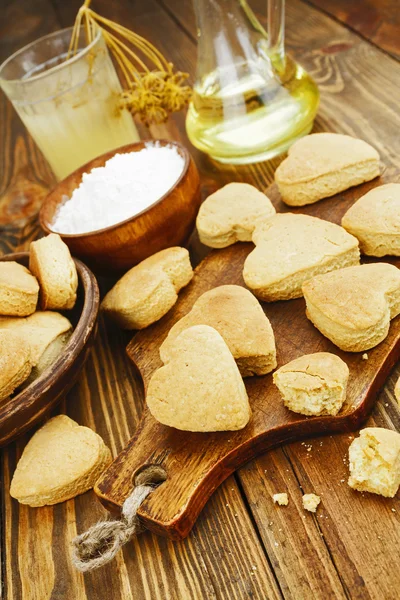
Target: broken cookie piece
311	502
374	459
313	384
281	499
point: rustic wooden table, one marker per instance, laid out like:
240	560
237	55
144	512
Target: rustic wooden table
242	545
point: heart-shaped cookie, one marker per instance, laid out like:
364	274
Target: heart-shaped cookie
291	248
323	164
15	362
200	387
237	315
61	460
352	307
149	290
375	220
231	214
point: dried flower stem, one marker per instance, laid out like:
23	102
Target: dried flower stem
151	92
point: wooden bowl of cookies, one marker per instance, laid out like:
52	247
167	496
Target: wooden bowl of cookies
167	222
24	408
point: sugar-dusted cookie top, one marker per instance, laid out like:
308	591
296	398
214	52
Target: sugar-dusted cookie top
200	387
375	220
237	315
231	214
51	262
291	248
60	461
15	362
353	306
323	164
149	290
19	290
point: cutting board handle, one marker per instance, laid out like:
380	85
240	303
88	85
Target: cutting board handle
196	463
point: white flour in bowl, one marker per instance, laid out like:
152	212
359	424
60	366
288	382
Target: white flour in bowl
126	185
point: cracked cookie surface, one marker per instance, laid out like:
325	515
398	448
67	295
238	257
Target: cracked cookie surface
313	384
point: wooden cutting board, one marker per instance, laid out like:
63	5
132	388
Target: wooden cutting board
196	463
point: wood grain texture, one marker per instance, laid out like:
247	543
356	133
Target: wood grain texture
168	222
21	412
291	558
376	20
174	506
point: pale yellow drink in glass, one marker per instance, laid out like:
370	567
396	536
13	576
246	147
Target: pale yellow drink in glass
71	108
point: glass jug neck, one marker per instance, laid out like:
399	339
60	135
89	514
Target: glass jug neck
229	19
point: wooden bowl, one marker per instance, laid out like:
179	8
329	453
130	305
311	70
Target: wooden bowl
167	222
23	410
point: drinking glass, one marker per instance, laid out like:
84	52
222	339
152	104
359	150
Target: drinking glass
70	107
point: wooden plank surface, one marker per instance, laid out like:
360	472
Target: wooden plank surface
377	21
242	546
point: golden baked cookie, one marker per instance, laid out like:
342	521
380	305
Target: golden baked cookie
19	290
353	307
291	248
375	220
237	315
149	290
323	164
231	214
313	384
200	387
46	332
50	261
60	461
374	461
15	362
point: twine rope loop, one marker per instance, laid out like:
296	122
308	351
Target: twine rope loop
101	542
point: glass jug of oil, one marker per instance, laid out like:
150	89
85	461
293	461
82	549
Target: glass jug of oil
251	101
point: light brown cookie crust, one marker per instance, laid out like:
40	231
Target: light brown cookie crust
200	387
50	261
61	460
353	307
292	248
323	164
149	290
375	220
231	213
19	290
313	384
237	315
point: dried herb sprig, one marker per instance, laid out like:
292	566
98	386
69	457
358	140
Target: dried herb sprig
151	93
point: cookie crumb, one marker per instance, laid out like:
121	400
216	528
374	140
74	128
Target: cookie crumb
365	356
310	502
281	499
